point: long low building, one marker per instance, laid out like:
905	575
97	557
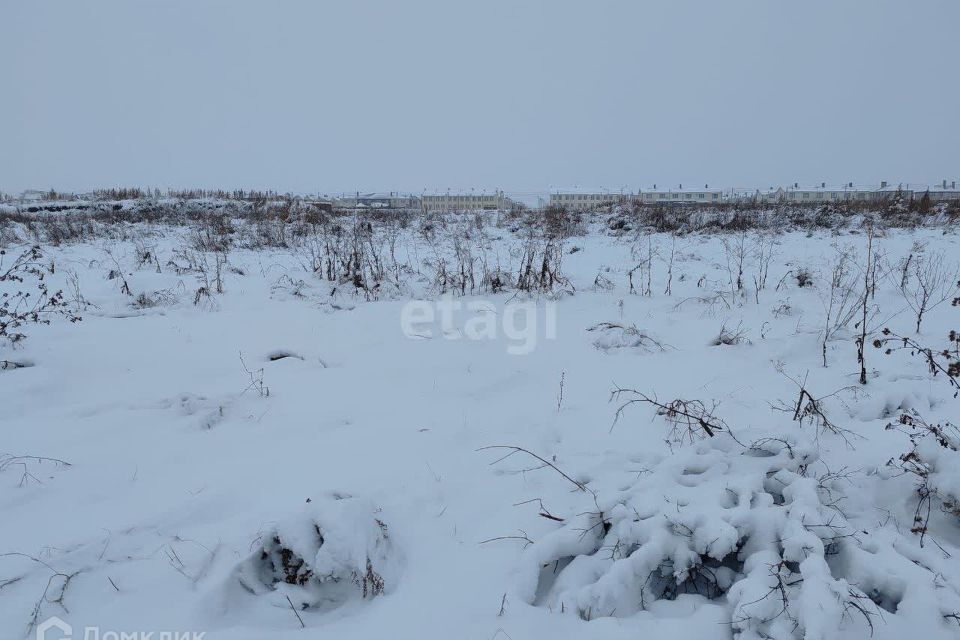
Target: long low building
390	200
849	192
940	192
586	200
583	200
796	194
680	194
466	201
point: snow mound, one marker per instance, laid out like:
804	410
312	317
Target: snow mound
612	337
752	528
336	550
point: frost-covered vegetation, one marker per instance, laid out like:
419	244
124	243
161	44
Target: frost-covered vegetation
730	422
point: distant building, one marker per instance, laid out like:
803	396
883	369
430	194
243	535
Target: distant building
940	192
681	195
466	201
849	192
589	200
34	195
582	201
389	200
771	195
823	193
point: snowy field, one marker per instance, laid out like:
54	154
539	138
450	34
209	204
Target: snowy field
248	440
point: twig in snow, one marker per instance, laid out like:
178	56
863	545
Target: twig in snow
514	450
296	613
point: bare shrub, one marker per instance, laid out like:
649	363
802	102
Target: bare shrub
927	282
146	254
942	360
811	409
116	273
804	277
207	269
603	283
256	380
559	223
158	298
215	233
613	336
644	253
540	270
669	259
689	420
286	284
30	301
764	250
932	459
730	337
77	299
842	299
869	270
736	251
934	455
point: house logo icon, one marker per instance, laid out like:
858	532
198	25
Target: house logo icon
54	629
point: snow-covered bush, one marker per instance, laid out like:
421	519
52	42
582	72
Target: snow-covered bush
752	527
336	549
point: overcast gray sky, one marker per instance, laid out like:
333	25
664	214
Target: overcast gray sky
519	95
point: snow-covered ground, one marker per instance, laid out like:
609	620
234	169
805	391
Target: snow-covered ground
288	453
